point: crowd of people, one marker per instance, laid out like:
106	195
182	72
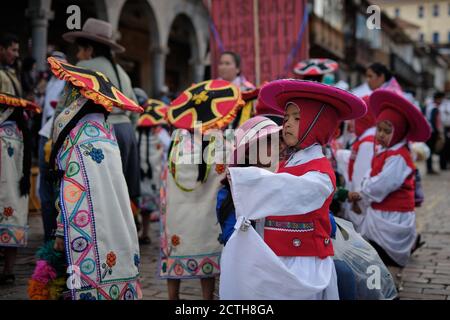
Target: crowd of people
295	187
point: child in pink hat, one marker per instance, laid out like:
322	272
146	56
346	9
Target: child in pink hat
293	260
388	191
256	144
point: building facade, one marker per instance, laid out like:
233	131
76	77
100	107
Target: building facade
338	30
431	16
166	41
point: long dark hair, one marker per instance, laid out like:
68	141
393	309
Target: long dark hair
145	132
18	117
100	50
89	107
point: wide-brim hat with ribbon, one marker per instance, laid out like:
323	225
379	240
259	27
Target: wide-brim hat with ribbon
96	30
93	85
277	93
315	67
7	100
418	127
155	113
214	103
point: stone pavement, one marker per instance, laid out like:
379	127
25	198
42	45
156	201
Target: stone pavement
153	288
427	275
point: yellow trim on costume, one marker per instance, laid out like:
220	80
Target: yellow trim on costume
93	94
212	124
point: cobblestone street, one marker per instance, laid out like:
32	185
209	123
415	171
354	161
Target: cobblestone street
427	275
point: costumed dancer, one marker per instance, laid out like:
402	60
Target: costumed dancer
359	165
153	144
189	229
294	259
15	167
390	222
249	146
95	225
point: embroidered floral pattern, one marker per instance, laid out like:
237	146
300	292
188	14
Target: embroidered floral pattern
220	168
110	263
87	296
200	97
5	237
111	259
8	212
94	153
175	240
137	260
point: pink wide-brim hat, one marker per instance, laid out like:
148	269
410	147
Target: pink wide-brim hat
252	130
277	93
419	129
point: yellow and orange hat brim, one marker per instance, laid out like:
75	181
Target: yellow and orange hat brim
215	103
155	113
93	85
13	101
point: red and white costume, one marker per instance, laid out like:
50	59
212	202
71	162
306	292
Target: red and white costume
389	193
286	264
389	188
293	260
359	163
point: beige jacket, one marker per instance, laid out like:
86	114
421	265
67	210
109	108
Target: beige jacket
9	82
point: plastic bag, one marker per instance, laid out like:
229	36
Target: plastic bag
373	279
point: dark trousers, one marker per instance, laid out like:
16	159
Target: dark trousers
431	144
444	156
46	195
126	139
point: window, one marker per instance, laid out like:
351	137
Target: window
420	12
436	10
436	37
397	12
449	9
448	37
422	37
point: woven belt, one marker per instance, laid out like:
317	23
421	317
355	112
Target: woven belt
289	226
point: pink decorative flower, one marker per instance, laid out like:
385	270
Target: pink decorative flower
43	272
8	211
5	237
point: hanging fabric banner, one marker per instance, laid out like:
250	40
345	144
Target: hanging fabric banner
280	26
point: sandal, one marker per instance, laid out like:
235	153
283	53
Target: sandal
145	240
418	244
6	279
